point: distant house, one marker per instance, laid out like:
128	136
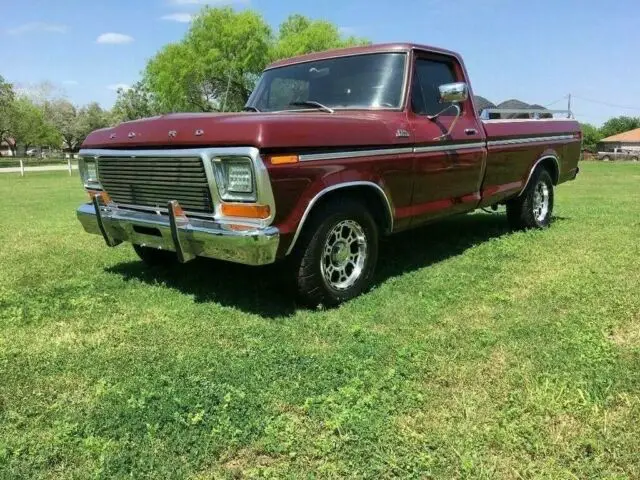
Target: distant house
626	141
5	149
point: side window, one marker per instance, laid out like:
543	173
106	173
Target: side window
286	90
428	76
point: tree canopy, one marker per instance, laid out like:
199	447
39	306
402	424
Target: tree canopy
133	103
298	35
616	125
30	126
7	98
590	137
215	66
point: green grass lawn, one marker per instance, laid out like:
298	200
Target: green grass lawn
480	353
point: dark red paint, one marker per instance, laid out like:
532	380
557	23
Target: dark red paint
420	186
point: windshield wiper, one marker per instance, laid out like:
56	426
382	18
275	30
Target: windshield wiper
250	108
311	103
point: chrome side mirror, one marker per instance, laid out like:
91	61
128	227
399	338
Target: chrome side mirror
454	92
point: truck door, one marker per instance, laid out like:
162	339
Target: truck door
448	171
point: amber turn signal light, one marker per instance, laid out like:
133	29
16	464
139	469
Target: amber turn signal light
245	210
101	194
282	159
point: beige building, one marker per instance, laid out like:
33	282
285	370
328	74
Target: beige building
622	142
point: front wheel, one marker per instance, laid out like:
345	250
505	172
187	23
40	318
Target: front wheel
337	255
534	207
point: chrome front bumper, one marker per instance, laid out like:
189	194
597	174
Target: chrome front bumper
187	237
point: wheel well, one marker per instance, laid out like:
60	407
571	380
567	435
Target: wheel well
370	196
551	165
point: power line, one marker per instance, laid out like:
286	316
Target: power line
613	105
556	101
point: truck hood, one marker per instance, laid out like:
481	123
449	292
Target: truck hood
261	130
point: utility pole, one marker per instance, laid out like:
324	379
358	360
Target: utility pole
569	114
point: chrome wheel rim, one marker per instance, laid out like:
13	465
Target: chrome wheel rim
344	255
541	201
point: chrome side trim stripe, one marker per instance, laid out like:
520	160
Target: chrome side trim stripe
388	151
448	148
429	148
518	141
354	154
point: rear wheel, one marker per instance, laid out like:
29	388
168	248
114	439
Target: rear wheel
606	158
534	207
154	257
337	255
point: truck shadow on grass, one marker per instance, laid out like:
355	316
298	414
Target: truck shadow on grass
268	291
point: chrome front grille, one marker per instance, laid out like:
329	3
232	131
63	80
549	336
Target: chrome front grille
154	181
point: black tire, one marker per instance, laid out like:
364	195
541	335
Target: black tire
154	257
606	158
312	263
523	212
634	159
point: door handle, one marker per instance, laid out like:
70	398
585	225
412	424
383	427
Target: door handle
470	131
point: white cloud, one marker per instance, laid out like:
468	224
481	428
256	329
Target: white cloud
119	86
38	27
178	17
114	38
70	83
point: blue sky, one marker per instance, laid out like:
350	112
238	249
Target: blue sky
537	51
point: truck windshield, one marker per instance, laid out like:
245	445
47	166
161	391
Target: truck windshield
357	82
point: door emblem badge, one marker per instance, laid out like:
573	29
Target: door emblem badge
172	134
112	136
402	133
131	134
199	132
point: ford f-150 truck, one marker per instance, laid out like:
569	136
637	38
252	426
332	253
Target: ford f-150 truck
334	150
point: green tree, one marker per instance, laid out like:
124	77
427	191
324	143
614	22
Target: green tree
298	35
91	117
29	126
7	98
63	115
136	102
590	136
214	67
616	125
28	123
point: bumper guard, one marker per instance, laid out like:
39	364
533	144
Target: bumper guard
188	237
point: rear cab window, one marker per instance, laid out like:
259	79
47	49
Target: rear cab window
428	75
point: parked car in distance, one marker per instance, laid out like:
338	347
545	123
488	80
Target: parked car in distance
618	155
32	152
335	150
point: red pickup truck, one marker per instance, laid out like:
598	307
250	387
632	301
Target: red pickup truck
334	150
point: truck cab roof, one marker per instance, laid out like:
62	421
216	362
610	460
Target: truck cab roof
362	50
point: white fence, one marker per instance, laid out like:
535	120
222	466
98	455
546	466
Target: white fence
40	168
